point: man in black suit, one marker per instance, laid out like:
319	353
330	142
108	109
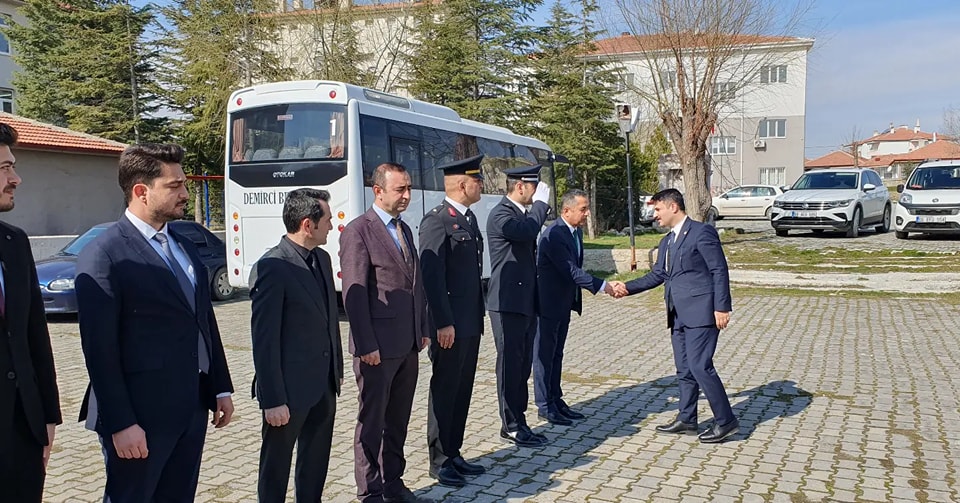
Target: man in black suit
560	278
451	254
28	390
297	352
152	347
512	231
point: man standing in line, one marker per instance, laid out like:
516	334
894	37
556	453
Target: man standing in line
691	266
512	295
150	338
386	305
297	352
560	278
29	397
452	258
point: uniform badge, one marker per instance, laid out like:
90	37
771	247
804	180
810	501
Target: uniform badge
453	212
455	226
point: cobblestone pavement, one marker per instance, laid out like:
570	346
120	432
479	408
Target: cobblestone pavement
839	399
869	240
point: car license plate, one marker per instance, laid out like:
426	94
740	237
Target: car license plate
932	219
803	214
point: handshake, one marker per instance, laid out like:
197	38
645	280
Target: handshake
616	289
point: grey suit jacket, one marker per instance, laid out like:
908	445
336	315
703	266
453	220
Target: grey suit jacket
295	330
383	297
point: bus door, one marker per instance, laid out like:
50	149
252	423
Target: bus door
407	153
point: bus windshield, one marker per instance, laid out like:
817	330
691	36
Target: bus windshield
289	132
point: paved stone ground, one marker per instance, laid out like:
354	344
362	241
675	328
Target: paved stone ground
839	400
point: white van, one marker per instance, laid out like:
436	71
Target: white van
930	200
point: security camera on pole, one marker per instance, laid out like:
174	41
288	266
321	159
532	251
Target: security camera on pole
627	118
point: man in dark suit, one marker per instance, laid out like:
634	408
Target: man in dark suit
512	231
451	248
296	350
691	266
150	338
560	278
28	390
387	309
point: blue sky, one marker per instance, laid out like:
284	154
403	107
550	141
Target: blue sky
874	62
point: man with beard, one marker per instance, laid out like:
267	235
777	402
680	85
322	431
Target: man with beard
150	338
28	396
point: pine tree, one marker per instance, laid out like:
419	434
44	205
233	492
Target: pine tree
84	66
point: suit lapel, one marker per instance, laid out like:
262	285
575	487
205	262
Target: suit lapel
139	244
386	240
16	279
304	275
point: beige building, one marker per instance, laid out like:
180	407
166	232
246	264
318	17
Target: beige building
69	179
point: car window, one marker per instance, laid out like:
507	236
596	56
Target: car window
935	178
876	179
765	191
737	192
826	180
74	247
192	233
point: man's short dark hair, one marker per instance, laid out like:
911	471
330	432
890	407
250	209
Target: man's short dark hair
380	174
8	135
670	196
570	197
303	203
512	184
143	163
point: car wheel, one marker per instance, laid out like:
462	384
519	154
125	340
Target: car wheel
885	224
221	287
854	229
901	234
713	215
769	213
782	232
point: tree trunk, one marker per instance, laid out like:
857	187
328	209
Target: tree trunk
197	201
590	185
696	188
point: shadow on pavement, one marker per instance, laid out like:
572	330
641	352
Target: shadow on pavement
525	472
767	402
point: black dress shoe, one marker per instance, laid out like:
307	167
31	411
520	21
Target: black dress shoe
541	436
448	476
717	434
405	495
523	438
677	426
465	468
555	417
568	412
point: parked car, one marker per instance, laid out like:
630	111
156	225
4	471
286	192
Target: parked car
834	199
930	200
745	201
58	272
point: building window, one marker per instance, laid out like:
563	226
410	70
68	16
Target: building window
668	79
773	73
624	82
6	100
773	128
4	43
723	145
773	176
724	91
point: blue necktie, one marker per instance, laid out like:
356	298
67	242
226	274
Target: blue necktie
203	357
666	261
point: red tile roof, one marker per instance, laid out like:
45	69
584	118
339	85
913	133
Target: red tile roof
628	43
902	133
835	159
940	149
40	136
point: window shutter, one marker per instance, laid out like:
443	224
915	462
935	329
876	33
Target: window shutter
783	73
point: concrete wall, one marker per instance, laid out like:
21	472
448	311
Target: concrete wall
64	193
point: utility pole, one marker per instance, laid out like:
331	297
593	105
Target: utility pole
626	117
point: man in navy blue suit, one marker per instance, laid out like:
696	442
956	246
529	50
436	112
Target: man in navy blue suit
691	266
150	338
560	278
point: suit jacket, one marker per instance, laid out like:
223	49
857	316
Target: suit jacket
559	272
26	359
139	334
295	330
513	257
451	255
383	297
698	282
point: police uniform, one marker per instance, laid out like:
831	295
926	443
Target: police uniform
451	258
512	302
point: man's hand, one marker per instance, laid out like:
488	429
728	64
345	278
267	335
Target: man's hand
445	336
723	319
616	289
224	412
131	443
542	193
372	359
425	343
277	416
51	431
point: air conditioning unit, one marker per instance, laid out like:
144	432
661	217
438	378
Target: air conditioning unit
759	144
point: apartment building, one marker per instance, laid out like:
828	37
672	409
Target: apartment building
8	15
759	137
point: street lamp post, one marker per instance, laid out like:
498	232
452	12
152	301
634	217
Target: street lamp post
626	116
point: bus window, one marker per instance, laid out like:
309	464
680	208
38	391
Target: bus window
288	132
496	158
375	146
439	148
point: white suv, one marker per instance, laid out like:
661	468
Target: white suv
834	199
930	200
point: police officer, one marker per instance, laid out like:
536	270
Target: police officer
512	231
451	258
